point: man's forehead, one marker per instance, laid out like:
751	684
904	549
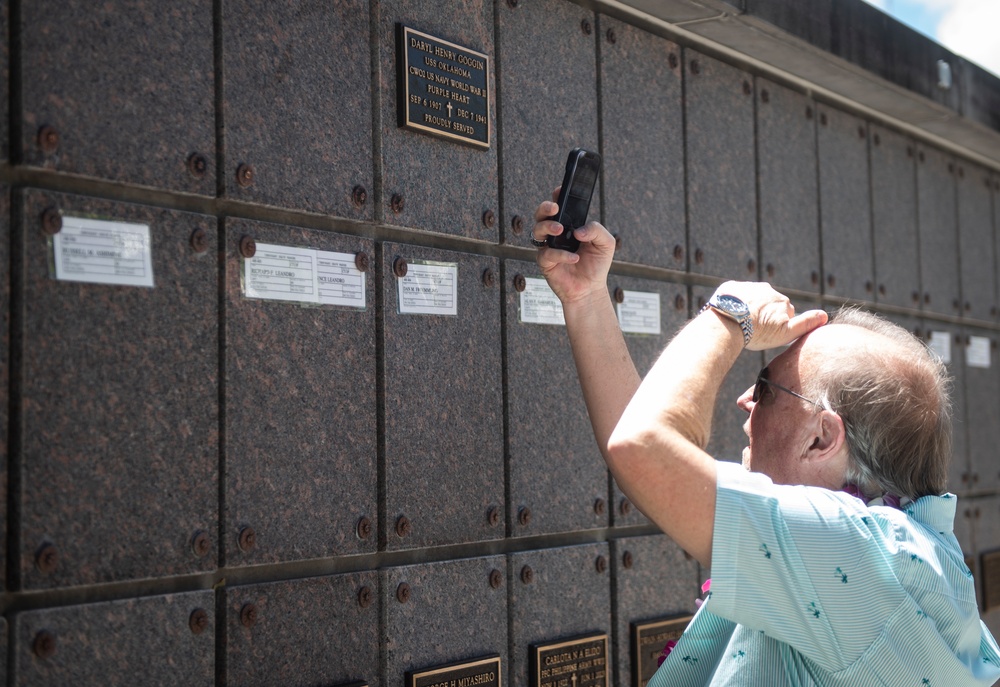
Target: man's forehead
826	342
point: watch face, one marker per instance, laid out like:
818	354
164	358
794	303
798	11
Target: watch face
732	305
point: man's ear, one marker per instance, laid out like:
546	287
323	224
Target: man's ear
828	436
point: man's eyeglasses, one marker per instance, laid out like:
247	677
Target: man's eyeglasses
762	381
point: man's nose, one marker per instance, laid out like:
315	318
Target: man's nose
745	401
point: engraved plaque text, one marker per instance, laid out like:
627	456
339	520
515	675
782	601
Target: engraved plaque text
480	672
580	662
648	640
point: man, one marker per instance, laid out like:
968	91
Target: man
817	579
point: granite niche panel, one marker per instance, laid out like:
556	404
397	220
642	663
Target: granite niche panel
5	227
444	458
975	240
168	640
546	51
947	341
982	402
121	90
645	349
936	217
845	206
721	187
119	405
789	217
301	447
654	580
298	105
432	183
558	480
643	145
4	80
894	218
984	517
299	633
438	614
557	594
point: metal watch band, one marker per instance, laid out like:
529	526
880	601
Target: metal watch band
746	324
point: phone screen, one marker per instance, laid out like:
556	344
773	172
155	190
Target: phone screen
578	198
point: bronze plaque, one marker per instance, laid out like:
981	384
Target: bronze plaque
580	662
479	672
648	640
443	88
990	571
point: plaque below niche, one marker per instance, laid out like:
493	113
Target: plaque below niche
648	640
479	672
990	571
578	662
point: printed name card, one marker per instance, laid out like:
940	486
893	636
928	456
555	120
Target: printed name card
429	288
977	353
940	345
639	312
103	252
539	303
303	275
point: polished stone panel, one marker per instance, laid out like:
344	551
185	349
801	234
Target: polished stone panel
444	458
982	396
959	470
120	90
936	215
789	216
299	633
120	405
845	207
298	104
301	447
976	242
643	145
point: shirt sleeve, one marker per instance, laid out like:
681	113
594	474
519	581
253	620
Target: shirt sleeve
806	566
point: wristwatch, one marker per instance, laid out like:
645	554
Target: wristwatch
735	309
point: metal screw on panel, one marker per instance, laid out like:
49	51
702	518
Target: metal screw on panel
403	593
956	305
876	140
244	175
361	261
248	247
831	280
199	240
627	560
993	311
512	3
197	165
881	289
680	302
951	168
751	266
861	131
489	219
672	60
517	225
586	27
524	516
814	277
909	151
678	253
809	112
519	283
364	528
927	299
198	621
51	221
365	597
248	615
701	303
699	256
975	480
869	287
765	96
601	564
747	88
770	270
359	196
402	526
527	575
915	296
822	118
920	156
619	294
48	139
612	38
396	203
201	544
399	267
961	172
44	645
618	242
625	507
496	578
493	516
47	559
968	306
695	67
600	506
247	539
489	279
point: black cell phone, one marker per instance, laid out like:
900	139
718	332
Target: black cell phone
582	168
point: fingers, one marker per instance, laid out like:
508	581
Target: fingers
800	325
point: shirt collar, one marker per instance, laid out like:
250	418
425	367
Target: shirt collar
936	512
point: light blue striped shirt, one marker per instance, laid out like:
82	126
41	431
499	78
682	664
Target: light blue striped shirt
813	587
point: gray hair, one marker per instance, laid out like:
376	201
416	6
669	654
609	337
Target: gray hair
894	401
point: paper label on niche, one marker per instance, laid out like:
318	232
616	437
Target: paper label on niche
103	252
303	275
977	353
539	303
429	288
639	313
940	345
